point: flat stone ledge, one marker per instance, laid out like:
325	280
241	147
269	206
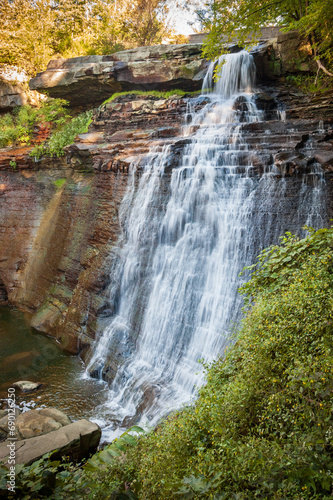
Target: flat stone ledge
77	440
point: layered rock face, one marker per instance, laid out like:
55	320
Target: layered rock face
59	222
91	79
59	226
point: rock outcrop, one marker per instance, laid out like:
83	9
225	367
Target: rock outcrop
89	80
35	423
76	440
92	79
14	89
287	54
27	386
58	239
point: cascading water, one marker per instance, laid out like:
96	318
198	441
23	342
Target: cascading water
185	241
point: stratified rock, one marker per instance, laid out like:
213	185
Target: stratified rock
290	162
92	79
38	422
14	90
27	386
76	440
57	246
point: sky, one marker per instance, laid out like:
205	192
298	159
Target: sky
181	18
181	22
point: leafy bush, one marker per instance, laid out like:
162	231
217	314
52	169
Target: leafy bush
262	426
311	84
63	136
19	126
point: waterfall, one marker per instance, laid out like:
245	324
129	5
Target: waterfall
186	237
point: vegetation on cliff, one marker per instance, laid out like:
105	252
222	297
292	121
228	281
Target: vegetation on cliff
25	124
262	426
245	18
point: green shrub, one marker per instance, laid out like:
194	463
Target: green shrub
18	127
262	426
63	136
311	84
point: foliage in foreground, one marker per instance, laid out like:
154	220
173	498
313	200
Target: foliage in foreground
262	427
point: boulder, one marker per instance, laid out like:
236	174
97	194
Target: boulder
27	386
4	423
14	89
92	79
34	422
38	422
76	440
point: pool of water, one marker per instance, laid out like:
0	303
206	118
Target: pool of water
27	355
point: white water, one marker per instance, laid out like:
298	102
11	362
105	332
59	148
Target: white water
185	241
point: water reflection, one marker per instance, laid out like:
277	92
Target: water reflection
26	355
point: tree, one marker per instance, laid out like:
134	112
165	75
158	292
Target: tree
145	21
244	18
34	31
25	32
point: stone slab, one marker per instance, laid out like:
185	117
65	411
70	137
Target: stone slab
76	440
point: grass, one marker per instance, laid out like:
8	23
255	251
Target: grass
150	93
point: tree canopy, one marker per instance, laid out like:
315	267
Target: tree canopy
34	31
226	18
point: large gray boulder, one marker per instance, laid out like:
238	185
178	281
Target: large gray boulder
76	440
91	79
